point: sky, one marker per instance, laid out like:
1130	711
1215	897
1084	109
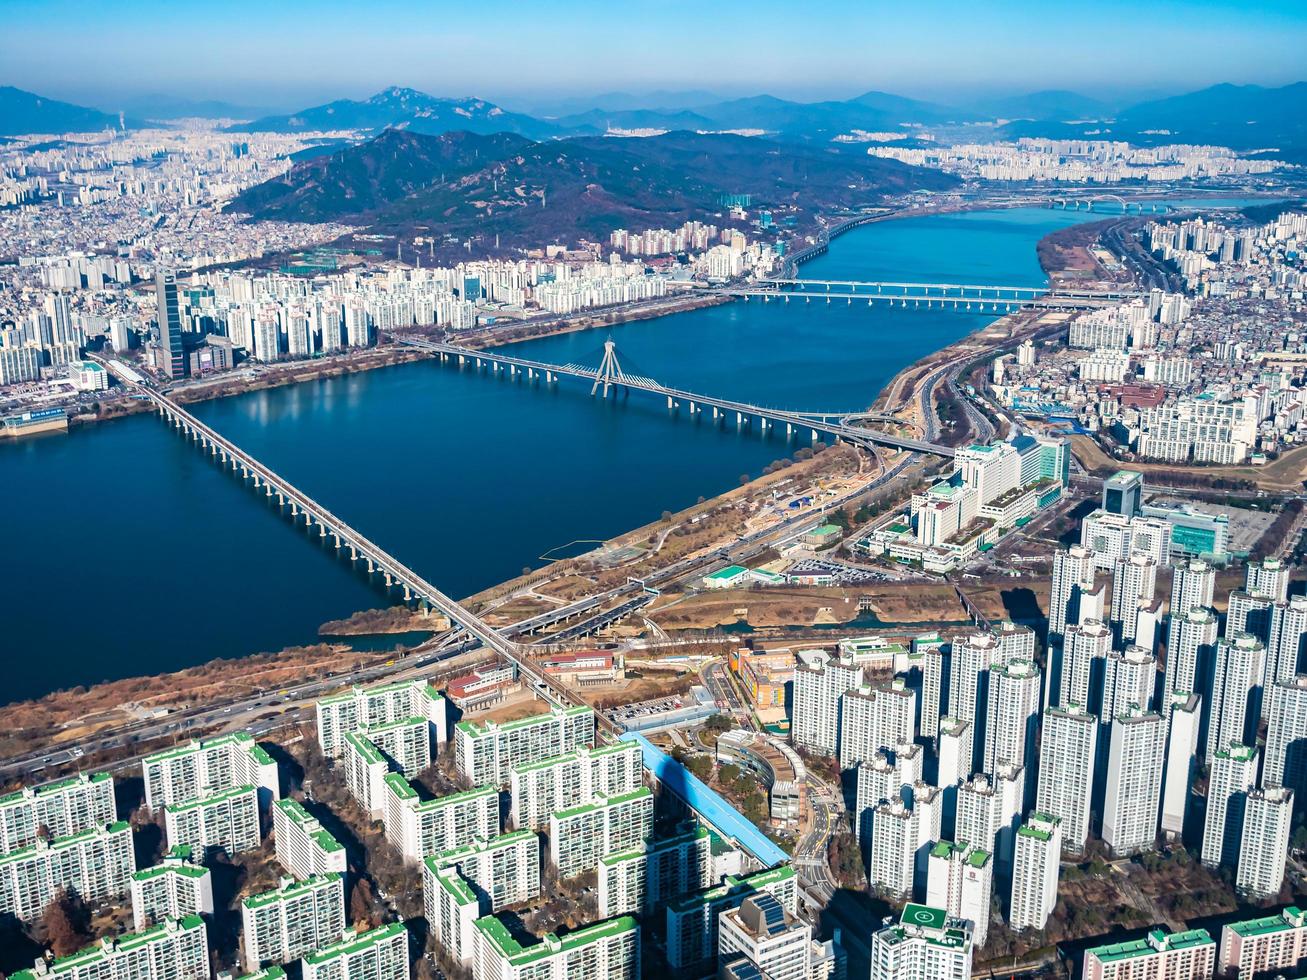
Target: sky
287	54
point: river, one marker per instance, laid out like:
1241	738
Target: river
129	553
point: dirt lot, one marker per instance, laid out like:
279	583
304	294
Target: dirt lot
1283	475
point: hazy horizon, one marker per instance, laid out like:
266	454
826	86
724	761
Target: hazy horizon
294	55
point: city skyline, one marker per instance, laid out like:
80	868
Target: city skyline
583	50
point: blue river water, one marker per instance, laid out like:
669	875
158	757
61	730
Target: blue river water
129	553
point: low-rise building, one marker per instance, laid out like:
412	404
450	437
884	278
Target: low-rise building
1260	946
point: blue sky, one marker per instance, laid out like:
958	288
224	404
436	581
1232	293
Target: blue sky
289	54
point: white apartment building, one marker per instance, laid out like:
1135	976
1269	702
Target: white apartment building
304	848
544	786
1234	774
378	954
292	920
1035	870
1068	749
1012	718
1284	649
1129	677
762	936
1185	711
1256	947
361	708
692	919
960	880
173	889
1286	733
1084	657
1134	583
486	754
1236	687
1189	955
1134	781
607	949
643	880
875	718
174	950
202	768
925	945
973	655
900	840
989	811
97	864
580	836
64	808
1115	537
420	828
820	681
1073	573
1264	847
1193	644
229	819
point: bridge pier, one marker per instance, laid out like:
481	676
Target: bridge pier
669	402
408	594
372	566
739	419
814	435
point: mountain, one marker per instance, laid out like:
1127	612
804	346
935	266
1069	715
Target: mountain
464	185
602	120
661	101
22	113
1052	105
403	108
160	106
1234	115
824	120
910	110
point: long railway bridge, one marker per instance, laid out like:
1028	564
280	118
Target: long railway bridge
962	297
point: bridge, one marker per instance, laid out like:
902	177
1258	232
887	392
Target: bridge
609	375
970	297
1074	203
349	541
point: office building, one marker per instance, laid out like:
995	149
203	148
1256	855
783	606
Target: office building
63	808
173	889
960	880
643	880
581	835
1286	735
202	768
97	864
1262	946
361	708
173	361
692	919
486	754
1068	749
1234	774
607	949
1267	818
292	920
1035	870
420	828
1189	955
820	681
1122	493
174	950
229	820
1134	781
377	954
925	945
779	946
304	848
876	718
542	787
462	885
1236	693
1181	760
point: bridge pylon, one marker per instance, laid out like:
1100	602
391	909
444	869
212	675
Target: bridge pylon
610	372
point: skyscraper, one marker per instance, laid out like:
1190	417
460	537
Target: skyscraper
1236	693
1013	714
1234	773
1193	584
1035	871
1284	649
1073	571
170	324
1181	759
1190	652
1066	772
1084	657
1134	583
1265	842
1286	735
1134	781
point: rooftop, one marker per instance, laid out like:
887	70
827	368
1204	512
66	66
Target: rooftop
497	933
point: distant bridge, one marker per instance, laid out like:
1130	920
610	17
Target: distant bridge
610	375
1070	203
966	297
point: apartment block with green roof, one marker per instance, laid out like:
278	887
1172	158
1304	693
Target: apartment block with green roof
419	828
304	848
377	954
486	754
63	808
545	786
692	919
644	879
229	819
581	835
293	919
173	889
604	951
1191	953
1265	944
462	885
97	863
361	708
174	950
198	769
